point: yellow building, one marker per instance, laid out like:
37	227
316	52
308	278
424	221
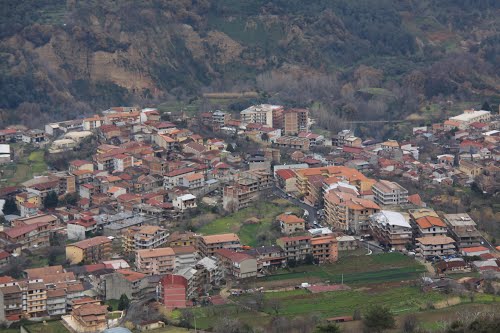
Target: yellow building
28	197
92	250
471	169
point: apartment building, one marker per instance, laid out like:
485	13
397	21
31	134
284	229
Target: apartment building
435	246
268	257
207	245
237	265
265	114
306	178
89	251
471	116
429	226
293	142
295	248
28	236
296	121
143	237
391	229
177	239
344	210
463	229
11	303
185	256
324	249
389	193
290	223
246	189
155	261
34	298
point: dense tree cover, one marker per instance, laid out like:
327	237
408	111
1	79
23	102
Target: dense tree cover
124	302
339	49
51	200
378	319
10	206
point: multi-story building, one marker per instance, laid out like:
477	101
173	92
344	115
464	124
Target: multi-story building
34	299
264	114
435	246
92	250
155	261
296	121
238	265
290	223
471	116
325	176
185	256
187	238
268	257
89	318
144	237
207	245
246	189
463	229
389	193
470	168
324	249
11	303
172	291
56	302
391	229
344	210
429	226
293	142
28	236
295	248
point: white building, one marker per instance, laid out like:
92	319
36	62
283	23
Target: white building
184	202
471	116
389	193
260	114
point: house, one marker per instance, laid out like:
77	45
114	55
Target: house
155	261
88	318
184	202
193	181
389	193
470	168
207	245
435	246
474	251
451	265
185	256
34	136
237	265
92	250
79	229
290	223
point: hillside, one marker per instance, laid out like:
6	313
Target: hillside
364	58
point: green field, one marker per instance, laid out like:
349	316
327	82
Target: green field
50	326
341	303
379	268
266	212
29	165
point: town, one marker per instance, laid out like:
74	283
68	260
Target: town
134	209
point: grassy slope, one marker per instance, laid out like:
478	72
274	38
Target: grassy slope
357	270
265	211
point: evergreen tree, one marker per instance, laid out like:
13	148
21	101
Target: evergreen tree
328	328
10	206
51	200
486	106
123	303
378	319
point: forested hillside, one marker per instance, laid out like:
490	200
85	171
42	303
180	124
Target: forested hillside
363	59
